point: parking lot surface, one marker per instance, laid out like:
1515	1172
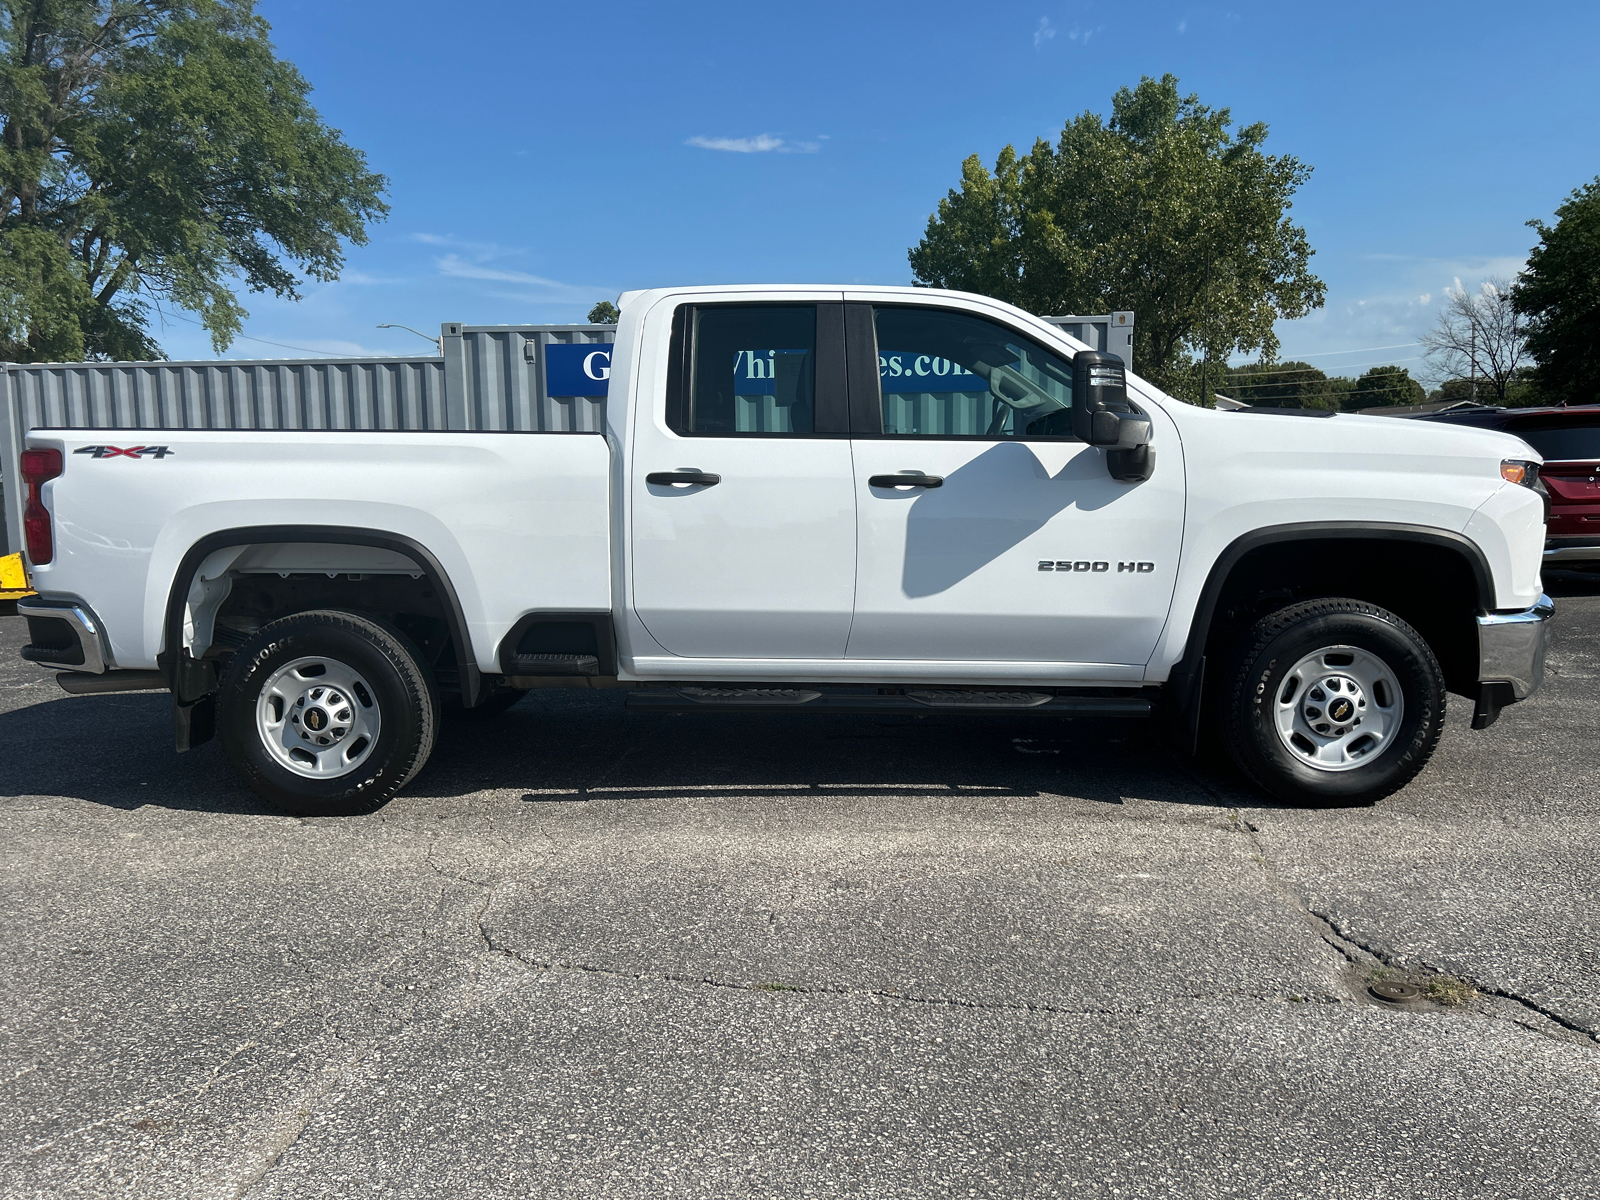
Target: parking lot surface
594	954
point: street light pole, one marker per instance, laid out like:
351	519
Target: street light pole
438	343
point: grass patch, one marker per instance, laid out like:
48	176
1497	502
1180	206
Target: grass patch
1449	992
777	987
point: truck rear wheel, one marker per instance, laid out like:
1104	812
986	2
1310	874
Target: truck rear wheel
327	713
1333	700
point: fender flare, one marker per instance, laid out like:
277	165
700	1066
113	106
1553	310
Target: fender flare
190	680
1186	682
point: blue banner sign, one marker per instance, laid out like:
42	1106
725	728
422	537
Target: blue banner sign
755	372
903	372
583	369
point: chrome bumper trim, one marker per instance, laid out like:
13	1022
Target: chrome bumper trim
96	659
1511	647
1573	554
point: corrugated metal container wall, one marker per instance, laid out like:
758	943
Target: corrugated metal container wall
1112	333
487	377
499	373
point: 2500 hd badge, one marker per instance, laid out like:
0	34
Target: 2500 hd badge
1097	568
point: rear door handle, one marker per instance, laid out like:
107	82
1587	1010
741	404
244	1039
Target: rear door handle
908	480
702	478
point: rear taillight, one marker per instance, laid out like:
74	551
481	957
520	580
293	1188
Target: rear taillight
38	468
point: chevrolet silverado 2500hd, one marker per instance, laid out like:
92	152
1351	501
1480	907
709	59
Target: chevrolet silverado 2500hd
804	499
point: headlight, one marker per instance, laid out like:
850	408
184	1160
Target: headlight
1519	470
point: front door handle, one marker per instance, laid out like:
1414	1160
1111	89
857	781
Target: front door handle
908	480
702	478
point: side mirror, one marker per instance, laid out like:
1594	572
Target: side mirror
1102	415
1099	398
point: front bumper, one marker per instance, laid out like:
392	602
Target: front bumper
1511	647
64	634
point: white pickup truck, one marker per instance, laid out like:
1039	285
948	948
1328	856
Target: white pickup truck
805	499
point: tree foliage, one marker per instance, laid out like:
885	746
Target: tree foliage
1559	292
604	313
1385	386
1164	209
158	152
1300	385
1277	385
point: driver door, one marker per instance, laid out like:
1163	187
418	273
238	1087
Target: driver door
1025	549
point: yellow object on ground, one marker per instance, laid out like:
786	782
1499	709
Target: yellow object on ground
13	578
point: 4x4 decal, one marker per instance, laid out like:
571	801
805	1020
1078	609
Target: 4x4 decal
129	452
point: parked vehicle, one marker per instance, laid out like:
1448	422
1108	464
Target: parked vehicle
1568	439
804	499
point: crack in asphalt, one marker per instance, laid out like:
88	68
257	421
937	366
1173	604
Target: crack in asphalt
1364	955
881	994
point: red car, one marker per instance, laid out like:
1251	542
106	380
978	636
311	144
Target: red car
1569	441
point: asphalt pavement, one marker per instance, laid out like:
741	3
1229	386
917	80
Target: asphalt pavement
595	954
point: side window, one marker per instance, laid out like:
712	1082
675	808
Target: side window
752	370
948	374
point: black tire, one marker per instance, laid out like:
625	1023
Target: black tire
393	682
1258	681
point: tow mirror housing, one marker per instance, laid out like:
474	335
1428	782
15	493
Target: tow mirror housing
1103	416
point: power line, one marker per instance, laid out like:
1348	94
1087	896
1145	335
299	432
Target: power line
1359	350
263	341
1245	373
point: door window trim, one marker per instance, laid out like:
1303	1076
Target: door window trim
830	403
865	383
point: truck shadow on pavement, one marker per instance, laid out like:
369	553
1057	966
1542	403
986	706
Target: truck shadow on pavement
568	746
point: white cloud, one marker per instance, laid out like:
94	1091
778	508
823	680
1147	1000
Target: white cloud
478	250
1078	34
552	290
1183	26
759	144
1401	303
362	279
1043	34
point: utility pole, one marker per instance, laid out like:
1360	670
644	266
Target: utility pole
1472	358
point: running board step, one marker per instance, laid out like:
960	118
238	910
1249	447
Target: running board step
553	664
704	699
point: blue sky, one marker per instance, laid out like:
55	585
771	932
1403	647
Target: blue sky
542	156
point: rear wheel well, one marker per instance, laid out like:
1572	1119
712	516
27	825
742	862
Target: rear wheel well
230	584
1430	586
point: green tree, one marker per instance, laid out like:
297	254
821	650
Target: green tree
1385	386
1164	209
158	152
1279	385
604	313
1559	292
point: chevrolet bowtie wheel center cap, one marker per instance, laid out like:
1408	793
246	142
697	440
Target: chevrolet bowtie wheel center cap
1333	706
322	716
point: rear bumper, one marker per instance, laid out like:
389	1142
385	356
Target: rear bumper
64	634
1559	550
1511	647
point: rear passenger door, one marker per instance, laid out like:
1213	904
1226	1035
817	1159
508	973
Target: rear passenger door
743	496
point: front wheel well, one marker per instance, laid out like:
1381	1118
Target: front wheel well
1433	587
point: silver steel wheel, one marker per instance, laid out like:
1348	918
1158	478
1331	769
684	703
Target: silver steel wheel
318	717
1338	707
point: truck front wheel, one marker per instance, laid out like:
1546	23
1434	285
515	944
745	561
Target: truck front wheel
327	713
1333	700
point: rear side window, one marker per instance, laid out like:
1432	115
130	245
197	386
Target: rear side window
1563	442
753	370
948	374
